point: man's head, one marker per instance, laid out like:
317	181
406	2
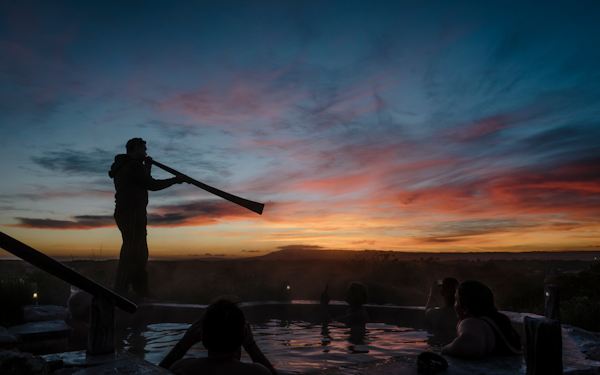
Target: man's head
356	294
474	298
136	147
448	288
223	327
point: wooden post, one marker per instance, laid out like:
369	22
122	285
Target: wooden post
551	304
101	337
543	346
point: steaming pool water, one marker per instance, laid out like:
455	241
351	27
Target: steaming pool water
291	339
294	347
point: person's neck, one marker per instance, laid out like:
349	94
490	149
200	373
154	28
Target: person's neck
218	356
355	307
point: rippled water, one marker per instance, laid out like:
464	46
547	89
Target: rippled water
293	347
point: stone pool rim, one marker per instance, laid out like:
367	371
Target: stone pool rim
574	360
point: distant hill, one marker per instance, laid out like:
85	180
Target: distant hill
301	254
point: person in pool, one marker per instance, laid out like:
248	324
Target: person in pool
223	331
444	319
356	296
482	330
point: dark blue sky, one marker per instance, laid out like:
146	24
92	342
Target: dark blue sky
404	125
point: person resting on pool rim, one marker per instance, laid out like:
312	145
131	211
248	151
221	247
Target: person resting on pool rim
442	320
356	315
223	331
481	329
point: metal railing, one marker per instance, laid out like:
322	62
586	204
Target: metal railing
101	338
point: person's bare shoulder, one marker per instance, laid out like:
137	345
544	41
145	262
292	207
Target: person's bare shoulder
186	366
471	325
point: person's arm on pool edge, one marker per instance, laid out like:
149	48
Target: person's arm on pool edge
191	337
256	355
324	302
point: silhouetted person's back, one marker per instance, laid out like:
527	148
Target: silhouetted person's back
223	331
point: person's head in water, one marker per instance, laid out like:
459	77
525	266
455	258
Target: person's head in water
136	147
223	327
474	298
448	289
356	294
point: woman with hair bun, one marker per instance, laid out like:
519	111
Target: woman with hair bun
482	330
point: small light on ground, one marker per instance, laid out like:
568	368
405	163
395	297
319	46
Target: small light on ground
34	295
288	287
547	294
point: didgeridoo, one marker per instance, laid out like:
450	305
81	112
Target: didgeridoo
252	206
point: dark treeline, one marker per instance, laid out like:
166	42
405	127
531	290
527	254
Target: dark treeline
517	284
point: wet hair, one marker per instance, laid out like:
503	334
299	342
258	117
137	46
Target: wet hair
479	298
223	326
359	291
133	143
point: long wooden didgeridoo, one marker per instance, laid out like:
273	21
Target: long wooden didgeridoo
252	206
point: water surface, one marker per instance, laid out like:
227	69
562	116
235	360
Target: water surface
293	347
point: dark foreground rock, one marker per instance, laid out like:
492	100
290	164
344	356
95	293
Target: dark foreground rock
13	362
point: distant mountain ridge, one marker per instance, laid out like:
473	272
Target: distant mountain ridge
301	254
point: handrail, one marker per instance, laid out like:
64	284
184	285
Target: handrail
63	272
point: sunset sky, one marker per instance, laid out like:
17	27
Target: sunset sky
382	125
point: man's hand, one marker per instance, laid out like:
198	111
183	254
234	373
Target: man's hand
148	163
433	288
181	179
325	297
193	335
249	337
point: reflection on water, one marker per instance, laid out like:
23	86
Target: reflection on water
292	346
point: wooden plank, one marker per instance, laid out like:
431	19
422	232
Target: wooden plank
551	302
101	338
45	263
543	346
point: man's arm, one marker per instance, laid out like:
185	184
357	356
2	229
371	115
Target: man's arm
470	342
324	302
431	299
255	353
142	174
191	337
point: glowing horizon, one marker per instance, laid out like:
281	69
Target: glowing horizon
393	126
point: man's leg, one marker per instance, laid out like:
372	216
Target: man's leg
134	252
139	281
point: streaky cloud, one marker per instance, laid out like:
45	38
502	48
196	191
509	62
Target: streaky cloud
73	162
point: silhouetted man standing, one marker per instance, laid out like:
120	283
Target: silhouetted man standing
131	174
